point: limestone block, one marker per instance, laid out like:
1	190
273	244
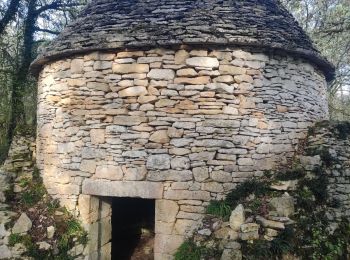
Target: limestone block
212	187
161	74
220	87
226	233
202	156
130	68
88	166
231	254
174	132
270	223
193	81
77	66
135	174
97	136
187	195
249	227
5	252
231	70
283	205
165	103
98	86
129	120
22	225
142	189
133	92
180	163
167	244
185	227
50	232
166	211
200	173
189	72
221	176
102	65
169	175
207	62
158	162
109	172
181	56
160	136
237	217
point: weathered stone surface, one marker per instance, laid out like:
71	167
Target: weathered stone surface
249	227
158	162
22	225
237	217
169	175
193	81
161	74
77	66
133	92
142	189
97	136
5	252
109	172
231	70
129	120
283	205
231	254
180	163
166	211
226	233
88	166
200	173
50	232
270	223
130	68
160	136
207	62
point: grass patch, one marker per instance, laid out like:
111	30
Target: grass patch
219	209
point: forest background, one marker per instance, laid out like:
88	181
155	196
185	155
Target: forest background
27	26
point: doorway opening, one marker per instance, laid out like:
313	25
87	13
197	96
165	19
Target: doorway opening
133	228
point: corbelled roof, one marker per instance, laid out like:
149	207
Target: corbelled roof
120	24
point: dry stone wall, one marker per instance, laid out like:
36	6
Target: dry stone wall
181	126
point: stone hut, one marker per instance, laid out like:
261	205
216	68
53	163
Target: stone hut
162	105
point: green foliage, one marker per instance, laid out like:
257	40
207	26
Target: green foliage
191	251
14	239
291	174
219	209
243	190
32	195
263	249
342	129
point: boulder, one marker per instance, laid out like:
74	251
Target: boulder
22	225
237	217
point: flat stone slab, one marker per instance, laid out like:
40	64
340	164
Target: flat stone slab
141	189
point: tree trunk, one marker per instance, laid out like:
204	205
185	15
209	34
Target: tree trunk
9	14
17	116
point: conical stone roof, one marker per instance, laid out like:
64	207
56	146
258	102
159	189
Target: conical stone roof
136	24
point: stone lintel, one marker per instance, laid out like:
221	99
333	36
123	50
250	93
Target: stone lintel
140	189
